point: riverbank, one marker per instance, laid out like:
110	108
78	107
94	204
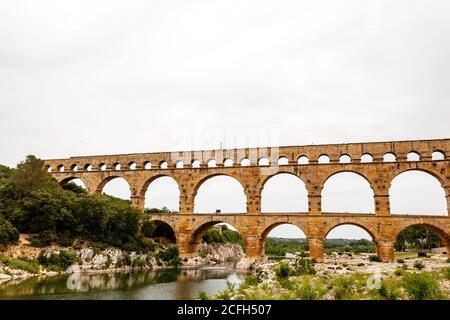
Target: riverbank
22	261
345	277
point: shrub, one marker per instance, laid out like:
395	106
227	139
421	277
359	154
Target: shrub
345	288
25	264
401	261
65	239
283	270
126	260
147	228
399	272
168	254
138	263
422	254
250	280
202	295
213	236
446	272
44	239
388	291
421	286
303	254
374	258
57	262
307	292
419	265
286	283
8	233
304	266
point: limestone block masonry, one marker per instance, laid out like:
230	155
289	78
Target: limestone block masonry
191	168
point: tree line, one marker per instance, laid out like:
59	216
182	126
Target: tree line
32	202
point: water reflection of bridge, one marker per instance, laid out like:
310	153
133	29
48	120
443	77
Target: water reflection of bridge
124	281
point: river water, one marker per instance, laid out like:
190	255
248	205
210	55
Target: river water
164	284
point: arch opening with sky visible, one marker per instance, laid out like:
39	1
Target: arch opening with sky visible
417	193
162	194
220	194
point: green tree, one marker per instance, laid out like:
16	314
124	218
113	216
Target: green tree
30	176
8	233
417	237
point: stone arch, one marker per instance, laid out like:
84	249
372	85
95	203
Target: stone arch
179	164
268	178
283	160
211	163
345	158
195	163
353	172
333	226
199	184
147	165
442	179
102	184
146	185
348	171
272	226
366	158
303	159
263	161
438	155
67	180
389	157
438	229
413	156
374	235
323	158
431	173
268	228
227	162
435	228
132	165
368	229
163	164
195	237
245	162
160	224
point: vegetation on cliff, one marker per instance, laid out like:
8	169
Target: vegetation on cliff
31	201
222	235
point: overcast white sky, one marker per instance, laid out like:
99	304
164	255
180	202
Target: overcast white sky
99	77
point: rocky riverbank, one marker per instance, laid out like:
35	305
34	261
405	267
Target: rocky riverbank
210	254
21	261
345	276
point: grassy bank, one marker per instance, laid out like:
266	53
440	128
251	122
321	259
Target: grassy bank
302	279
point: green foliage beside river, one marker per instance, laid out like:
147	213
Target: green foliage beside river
32	202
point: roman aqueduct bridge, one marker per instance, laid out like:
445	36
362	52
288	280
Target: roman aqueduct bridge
378	163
